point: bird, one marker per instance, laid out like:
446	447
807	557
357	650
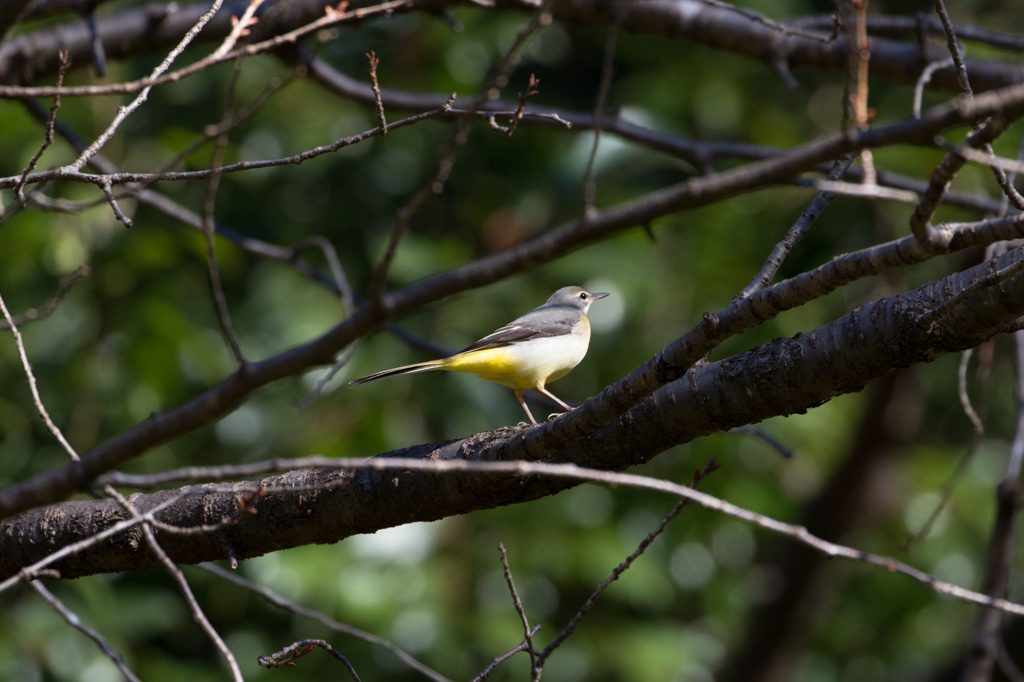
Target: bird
529	352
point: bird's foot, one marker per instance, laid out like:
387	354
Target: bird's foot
556	415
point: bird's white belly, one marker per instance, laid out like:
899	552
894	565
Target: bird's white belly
539	361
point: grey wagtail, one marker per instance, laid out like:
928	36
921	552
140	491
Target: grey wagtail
528	352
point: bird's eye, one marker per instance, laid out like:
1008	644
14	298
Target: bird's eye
583	296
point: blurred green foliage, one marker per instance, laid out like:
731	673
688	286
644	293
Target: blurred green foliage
140	336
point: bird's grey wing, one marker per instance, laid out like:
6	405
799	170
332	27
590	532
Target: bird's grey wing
523	329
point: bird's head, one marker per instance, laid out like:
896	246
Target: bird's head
575	297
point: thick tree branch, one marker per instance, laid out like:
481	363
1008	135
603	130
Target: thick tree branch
158	26
55	485
786	376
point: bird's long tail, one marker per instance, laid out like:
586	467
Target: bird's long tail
408	369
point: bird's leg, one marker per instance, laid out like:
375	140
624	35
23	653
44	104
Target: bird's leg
519	395
540	387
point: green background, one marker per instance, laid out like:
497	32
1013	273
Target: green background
140	336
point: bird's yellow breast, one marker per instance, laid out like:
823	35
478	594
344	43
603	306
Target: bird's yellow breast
526	364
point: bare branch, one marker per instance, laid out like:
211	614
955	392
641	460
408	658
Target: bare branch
220	303
54	485
39	567
118	213
767	273
371	57
197	613
292	652
518	603
523	646
765	437
977	437
283	39
924	79
19	190
866	191
965	86
124	112
72	619
698	476
987	647
127	178
607	71
860	57
575	473
314	392
288	605
40	408
489	91
239	28
878	23
50	307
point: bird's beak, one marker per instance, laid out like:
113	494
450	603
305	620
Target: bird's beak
598	297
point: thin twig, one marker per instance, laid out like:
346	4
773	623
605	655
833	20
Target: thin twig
288	605
987	643
567	471
32	384
765	437
771	266
522	646
1004	201
287	656
371	58
924	79
864	191
239	28
607	71
213	132
956	52
50	307
126	178
532	90
1013	465
860	57
19	190
124	112
197	613
988	159
108	192
220	303
343	359
783	29
72	619
518	603
99	53
343	288
698	476
290	38
977	437
489	91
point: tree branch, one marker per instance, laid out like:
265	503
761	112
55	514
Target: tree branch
786	376
54	485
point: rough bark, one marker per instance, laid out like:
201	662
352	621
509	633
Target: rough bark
786	376
158	26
